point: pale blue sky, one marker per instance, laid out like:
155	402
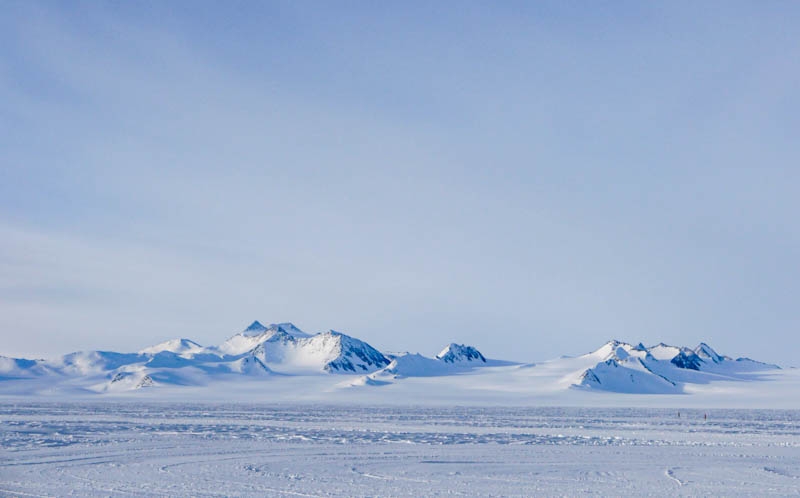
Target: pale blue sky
529	178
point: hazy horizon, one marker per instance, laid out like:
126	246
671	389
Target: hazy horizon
533	180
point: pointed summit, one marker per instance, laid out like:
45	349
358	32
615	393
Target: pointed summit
609	349
256	334
254	328
706	352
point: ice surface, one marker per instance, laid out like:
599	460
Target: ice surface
173	449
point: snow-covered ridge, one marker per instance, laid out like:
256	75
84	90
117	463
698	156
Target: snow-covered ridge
256	334
274	352
659	369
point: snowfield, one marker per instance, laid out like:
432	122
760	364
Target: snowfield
327	414
173	449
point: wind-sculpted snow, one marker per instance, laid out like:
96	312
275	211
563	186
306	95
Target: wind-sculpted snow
159	449
274	353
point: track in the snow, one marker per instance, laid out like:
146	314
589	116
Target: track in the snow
238	450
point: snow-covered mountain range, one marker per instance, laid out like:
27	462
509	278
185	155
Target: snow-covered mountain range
281	351
621	367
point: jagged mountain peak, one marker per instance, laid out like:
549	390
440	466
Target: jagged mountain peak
662	368
256	334
706	352
687	359
285	350
254	328
257	328
610	348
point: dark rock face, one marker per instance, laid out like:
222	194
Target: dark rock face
687	360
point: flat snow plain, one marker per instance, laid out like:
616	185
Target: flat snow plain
143	448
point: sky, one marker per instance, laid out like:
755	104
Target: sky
531	178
